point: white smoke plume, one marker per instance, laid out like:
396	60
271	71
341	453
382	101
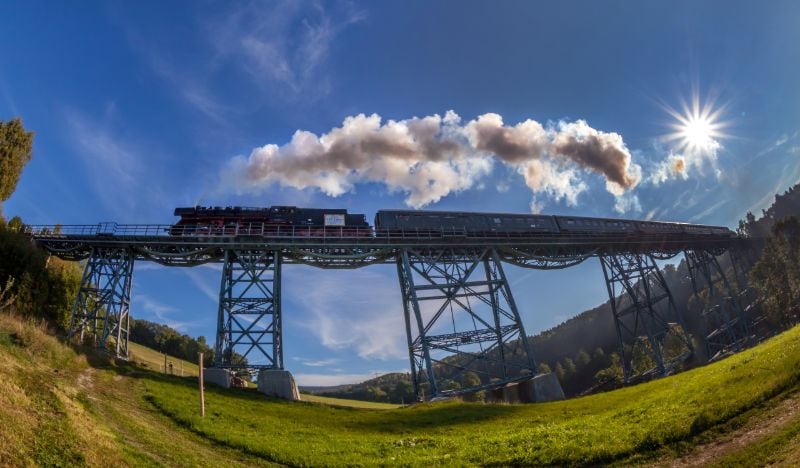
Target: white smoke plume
678	166
431	157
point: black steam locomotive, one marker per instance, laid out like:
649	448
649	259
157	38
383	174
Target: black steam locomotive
273	221
291	221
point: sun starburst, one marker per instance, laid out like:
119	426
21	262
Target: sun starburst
697	128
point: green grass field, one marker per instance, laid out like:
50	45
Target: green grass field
346	403
595	429
58	406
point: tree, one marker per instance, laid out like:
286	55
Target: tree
543	368
582	359
559	372
470	379
15	152
612	372
569	367
776	275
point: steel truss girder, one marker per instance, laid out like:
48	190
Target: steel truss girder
642	306
102	305
729	330
465	292
249	332
339	258
554	258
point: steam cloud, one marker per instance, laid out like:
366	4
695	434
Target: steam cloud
430	157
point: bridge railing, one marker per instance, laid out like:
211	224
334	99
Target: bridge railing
231	230
272	231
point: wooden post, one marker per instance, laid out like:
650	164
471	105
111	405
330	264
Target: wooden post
165	363
202	395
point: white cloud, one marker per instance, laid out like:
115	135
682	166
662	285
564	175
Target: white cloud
316	362
431	157
627	202
358	310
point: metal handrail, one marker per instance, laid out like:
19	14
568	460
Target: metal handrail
272	231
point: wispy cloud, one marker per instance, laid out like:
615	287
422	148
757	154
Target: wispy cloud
356	310
316	362
277	49
161	312
708	211
286	45
204	282
113	167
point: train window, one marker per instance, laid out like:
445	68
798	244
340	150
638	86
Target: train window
496	220
570	221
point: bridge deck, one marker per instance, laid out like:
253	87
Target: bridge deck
351	248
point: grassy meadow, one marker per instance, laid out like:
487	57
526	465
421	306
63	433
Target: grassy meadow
595	429
59	406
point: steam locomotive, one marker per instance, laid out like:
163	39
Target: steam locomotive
272	221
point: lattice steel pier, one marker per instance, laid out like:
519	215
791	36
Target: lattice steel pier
101	310
460	315
249	316
645	315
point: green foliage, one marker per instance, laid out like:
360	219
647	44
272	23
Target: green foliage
168	340
582	359
776	275
15	151
43	286
612	373
388	388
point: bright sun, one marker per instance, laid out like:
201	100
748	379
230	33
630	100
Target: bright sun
698	133
697	129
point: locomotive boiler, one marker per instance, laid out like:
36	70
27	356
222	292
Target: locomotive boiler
281	221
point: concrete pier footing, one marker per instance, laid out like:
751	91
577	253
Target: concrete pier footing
278	383
541	388
217	376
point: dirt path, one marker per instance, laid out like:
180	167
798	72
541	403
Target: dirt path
771	422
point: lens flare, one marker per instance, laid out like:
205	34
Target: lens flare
698	128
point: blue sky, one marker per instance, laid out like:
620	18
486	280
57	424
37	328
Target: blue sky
139	107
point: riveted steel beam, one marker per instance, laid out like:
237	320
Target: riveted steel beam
650	328
460	317
728	325
249	331
102	305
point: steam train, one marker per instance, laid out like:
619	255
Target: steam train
275	220
285	221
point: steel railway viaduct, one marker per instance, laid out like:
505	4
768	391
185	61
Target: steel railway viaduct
459	310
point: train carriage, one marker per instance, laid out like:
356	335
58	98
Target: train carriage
447	223
594	226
